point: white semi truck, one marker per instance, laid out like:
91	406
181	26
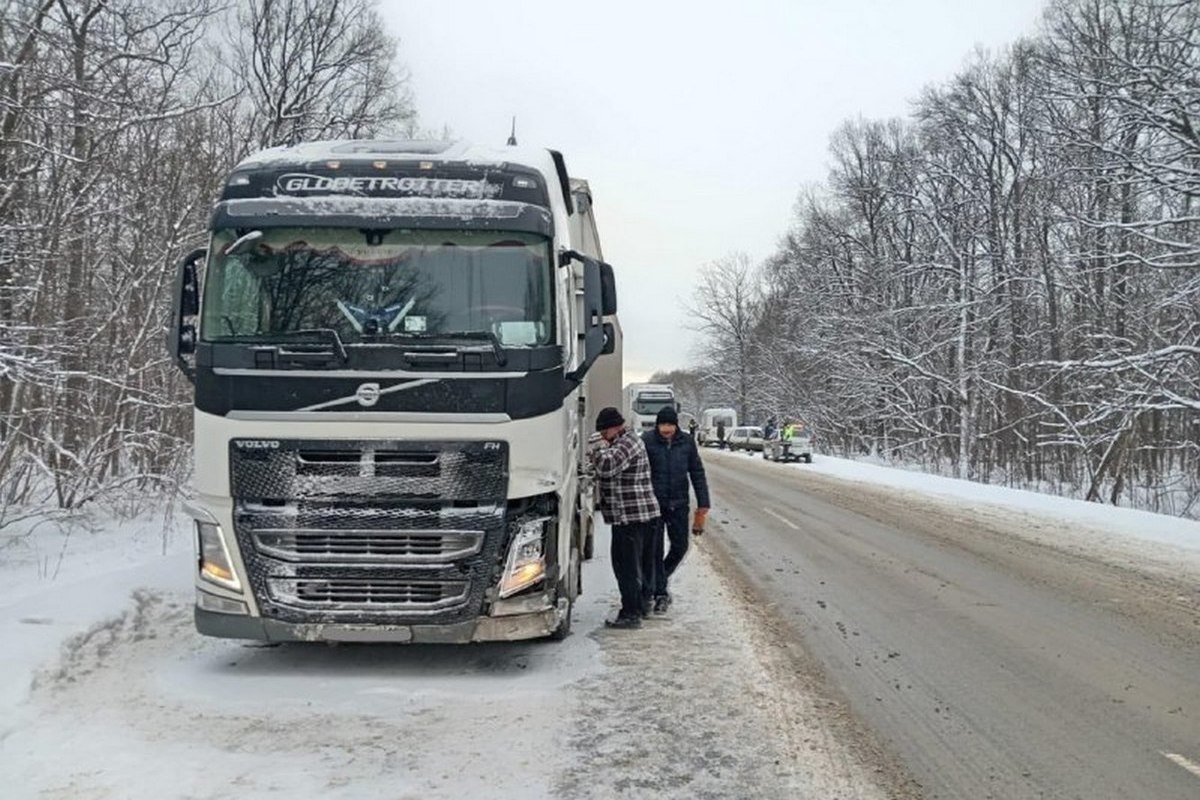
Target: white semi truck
397	349
643	401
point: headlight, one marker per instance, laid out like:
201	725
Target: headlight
526	563
215	565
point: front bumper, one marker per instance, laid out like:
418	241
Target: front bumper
515	627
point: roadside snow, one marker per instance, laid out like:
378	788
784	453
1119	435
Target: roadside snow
106	691
59	580
1121	535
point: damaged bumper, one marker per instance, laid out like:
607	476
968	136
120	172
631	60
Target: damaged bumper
513	627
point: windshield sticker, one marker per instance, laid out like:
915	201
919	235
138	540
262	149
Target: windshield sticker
414	324
518	334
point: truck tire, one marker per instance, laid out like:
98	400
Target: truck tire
808	458
765	454
571	589
564	628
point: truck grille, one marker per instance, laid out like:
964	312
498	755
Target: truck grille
414	597
370	531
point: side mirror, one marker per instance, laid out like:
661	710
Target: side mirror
591	327
608	288
608	279
182	336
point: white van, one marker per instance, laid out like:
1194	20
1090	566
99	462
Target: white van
710	418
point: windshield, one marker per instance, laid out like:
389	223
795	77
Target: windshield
651	407
369	285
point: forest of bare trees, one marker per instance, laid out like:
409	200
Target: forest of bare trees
1005	285
118	120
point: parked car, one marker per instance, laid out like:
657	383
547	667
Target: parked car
747	437
798	448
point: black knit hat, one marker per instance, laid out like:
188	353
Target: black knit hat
667	415
608	418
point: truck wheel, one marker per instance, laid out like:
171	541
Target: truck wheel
808	458
572	589
564	628
765	454
589	540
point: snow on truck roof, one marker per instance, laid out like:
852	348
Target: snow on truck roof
402	149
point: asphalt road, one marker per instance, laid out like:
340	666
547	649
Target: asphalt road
989	666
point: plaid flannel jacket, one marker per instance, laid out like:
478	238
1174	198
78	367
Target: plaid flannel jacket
623	470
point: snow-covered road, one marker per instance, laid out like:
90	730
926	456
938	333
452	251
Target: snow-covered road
1000	644
108	692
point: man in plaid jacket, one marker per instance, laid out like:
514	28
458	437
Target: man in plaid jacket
628	504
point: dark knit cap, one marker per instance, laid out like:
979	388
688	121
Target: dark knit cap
608	418
668	415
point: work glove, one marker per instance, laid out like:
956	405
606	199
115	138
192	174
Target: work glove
698	518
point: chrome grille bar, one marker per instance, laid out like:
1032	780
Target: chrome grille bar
367	545
368	594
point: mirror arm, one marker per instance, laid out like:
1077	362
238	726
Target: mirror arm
565	257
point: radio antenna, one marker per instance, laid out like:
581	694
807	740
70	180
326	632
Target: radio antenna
512	137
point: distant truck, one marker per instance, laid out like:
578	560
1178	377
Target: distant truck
710	420
398	350
643	401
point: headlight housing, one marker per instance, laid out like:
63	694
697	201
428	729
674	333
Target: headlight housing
213	557
526	563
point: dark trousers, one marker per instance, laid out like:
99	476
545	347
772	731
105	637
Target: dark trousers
676	523
633	565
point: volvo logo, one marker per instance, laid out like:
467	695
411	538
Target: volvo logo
367	394
258	444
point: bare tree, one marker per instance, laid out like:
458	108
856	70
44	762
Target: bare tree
319	69
724	306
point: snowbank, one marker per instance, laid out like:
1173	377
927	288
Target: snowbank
1123	535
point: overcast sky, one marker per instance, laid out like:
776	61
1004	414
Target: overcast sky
696	123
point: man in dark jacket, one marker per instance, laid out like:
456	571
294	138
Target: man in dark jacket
674	459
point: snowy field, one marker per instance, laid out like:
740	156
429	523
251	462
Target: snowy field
107	692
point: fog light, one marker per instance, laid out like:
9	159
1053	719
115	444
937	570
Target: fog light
526	563
221	605
214	561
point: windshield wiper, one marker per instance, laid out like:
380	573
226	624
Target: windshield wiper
497	346
489	336
238	244
328	333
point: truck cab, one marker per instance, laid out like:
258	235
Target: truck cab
643	401
391	343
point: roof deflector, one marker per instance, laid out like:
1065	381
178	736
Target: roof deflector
564	181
